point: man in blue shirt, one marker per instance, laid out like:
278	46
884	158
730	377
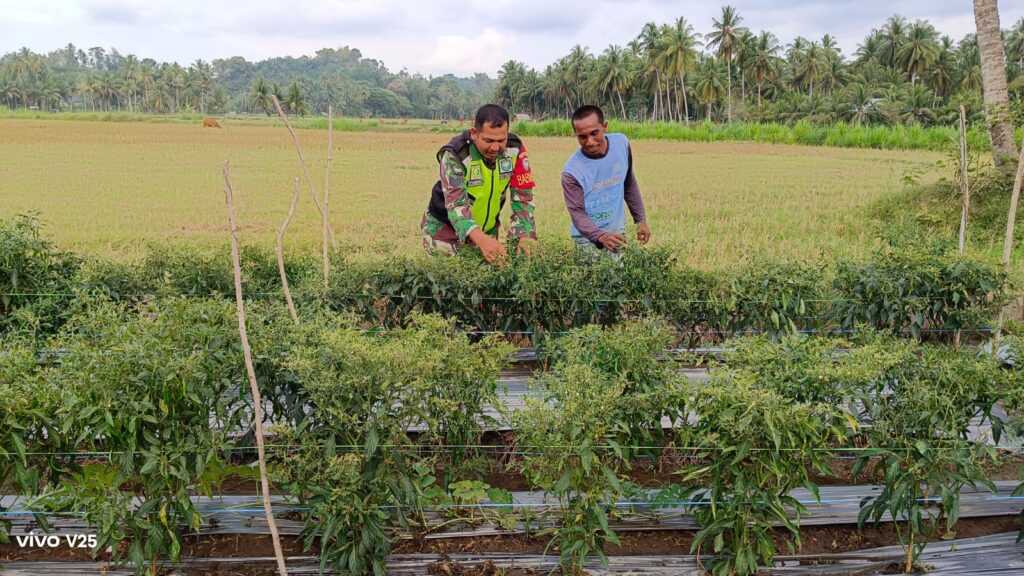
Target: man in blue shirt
598	184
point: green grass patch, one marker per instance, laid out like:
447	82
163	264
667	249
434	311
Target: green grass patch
112	187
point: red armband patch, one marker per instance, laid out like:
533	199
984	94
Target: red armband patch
522	176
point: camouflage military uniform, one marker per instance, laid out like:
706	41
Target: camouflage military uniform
449	237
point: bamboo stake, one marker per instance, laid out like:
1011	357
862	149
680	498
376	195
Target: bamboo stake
327	187
302	159
964	188
257	401
279	249
1011	221
966	192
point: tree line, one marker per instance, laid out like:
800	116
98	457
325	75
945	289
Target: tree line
96	79
903	72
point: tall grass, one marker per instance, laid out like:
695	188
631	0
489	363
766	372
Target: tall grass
840	135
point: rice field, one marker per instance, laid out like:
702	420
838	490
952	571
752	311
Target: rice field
110	188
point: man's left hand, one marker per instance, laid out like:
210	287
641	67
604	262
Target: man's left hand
526	245
643	233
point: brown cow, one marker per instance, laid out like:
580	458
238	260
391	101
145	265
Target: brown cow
210	123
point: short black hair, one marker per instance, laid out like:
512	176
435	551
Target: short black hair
586	110
491	114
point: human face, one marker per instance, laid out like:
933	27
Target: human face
590	134
490	140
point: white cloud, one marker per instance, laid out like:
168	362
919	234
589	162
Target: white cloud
463	55
956	27
436	37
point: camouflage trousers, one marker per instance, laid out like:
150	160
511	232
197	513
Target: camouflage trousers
438	237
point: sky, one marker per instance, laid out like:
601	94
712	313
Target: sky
434	37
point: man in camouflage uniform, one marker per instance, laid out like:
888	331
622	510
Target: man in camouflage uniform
477	168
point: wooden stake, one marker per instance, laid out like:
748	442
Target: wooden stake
302	160
327	187
1011	221
964	188
279	249
966	192
257	401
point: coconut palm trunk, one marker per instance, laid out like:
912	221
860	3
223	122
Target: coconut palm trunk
657	96
728	101
686	104
993	75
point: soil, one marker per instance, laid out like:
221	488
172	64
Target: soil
1008	468
654	474
816	539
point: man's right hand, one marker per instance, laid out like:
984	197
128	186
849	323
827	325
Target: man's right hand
612	241
492	250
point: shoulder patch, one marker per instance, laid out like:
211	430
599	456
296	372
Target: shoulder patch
522	176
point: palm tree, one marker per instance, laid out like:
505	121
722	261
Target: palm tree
993	74
530	93
201	75
650	43
1015	45
833	76
920	51
260	96
9	91
129	70
510	78
552	87
678	55
970	66
612	74
763	60
295	102
892	36
176	79
870	49
891	106
577	65
725	39
744	55
807	67
940	77
558	86
147	78
917	106
858	103
829	43
710	87
52	93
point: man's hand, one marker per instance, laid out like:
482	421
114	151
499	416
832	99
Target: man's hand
612	241
643	233
492	250
526	245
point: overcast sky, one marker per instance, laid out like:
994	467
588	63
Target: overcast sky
433	37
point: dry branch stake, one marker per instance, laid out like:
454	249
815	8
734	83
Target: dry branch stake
963	178
1011	220
257	401
279	249
327	185
966	193
302	160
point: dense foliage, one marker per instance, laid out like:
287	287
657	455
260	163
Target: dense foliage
901	73
381	397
